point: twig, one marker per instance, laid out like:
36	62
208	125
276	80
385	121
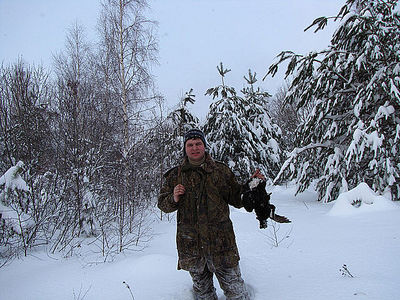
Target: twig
79	296
345	271
306	205
128	287
274	239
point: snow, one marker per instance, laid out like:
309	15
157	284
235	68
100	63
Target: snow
397	133
17	220
12	180
254	183
393	89
360	200
305	265
384	112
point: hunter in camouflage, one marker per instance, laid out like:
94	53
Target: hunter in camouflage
204	227
201	190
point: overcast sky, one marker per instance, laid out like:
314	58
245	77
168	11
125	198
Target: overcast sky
194	37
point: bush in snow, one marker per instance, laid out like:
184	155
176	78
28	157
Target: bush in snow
16	223
352	133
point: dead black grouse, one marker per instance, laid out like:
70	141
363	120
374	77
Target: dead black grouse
255	197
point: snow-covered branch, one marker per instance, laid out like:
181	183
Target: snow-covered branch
296	152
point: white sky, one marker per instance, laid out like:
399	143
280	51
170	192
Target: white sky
194	37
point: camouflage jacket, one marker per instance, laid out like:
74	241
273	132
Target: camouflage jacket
204	228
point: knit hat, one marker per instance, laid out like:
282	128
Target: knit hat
194	134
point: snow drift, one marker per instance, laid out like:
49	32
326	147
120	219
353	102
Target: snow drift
361	199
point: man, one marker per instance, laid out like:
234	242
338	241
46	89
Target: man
201	189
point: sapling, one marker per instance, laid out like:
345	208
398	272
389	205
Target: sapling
275	239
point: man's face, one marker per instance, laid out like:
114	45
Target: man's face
195	149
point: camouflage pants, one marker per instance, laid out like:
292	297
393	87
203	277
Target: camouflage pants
230	281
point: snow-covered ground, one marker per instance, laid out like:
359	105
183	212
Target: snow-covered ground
306	264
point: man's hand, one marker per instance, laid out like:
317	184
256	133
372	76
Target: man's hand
258	174
178	191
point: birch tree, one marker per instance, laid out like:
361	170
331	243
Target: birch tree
78	136
129	49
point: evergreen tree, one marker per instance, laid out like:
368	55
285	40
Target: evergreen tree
264	136
177	123
352	133
223	127
235	128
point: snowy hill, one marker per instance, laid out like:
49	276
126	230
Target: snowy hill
306	264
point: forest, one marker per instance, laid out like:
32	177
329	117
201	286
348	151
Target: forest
84	146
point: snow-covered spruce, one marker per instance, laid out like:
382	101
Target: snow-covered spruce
351	89
240	131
